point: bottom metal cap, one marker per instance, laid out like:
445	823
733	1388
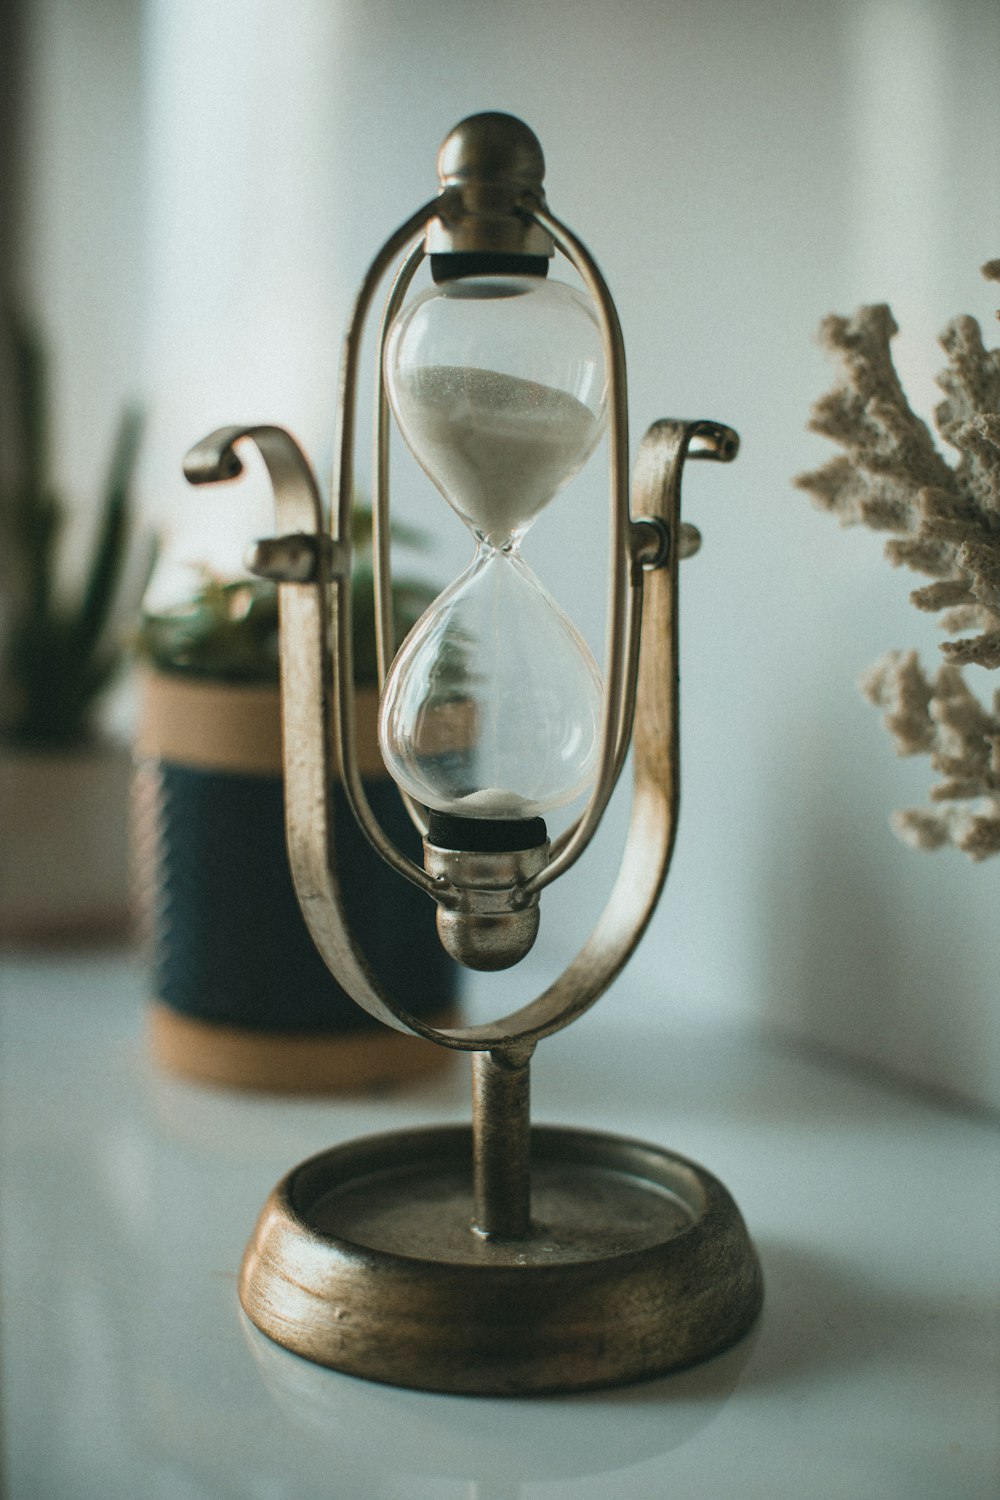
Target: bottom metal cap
363	1259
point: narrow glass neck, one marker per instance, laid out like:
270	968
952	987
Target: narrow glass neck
498	546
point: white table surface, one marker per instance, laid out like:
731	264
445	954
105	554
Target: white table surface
129	1370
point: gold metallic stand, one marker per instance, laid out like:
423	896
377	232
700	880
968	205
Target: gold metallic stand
637	1263
502	1259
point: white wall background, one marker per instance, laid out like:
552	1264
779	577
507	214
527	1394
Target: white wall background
82	272
739	170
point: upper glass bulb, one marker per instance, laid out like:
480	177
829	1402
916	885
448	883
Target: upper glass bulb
492	708
498	386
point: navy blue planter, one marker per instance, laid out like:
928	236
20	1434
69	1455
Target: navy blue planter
241	994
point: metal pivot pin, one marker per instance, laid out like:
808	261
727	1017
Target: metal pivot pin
504	1258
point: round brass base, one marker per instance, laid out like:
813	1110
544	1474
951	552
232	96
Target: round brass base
363	1259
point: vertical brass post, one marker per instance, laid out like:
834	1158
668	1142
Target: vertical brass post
501	1143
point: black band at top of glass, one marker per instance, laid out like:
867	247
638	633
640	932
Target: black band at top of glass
450	267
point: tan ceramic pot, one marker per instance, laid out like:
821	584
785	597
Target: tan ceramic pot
64	844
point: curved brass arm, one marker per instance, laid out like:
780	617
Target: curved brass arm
305	562
622	600
343	501
381	531
655	742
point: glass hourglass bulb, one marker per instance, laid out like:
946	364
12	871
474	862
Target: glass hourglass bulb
492	707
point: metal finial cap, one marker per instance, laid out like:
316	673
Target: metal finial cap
488	165
495	147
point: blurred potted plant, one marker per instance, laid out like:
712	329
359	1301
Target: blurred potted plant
240	995
63	782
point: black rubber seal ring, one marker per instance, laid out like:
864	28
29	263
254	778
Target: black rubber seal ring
485	835
453	265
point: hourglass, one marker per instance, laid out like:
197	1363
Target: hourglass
505	1258
490	714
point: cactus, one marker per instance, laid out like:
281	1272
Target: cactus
58	655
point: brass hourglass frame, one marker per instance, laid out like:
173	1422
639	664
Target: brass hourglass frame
671	1297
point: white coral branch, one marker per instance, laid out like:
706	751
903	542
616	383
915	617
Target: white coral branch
977	835
975	651
897	684
946	524
921	829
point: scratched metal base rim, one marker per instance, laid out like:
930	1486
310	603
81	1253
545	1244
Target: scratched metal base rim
638	1263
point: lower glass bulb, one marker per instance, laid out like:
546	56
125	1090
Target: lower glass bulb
492	707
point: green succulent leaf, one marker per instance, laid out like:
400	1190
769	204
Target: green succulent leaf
228	630
58	657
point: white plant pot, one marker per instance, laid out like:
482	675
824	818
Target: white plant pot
64	866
